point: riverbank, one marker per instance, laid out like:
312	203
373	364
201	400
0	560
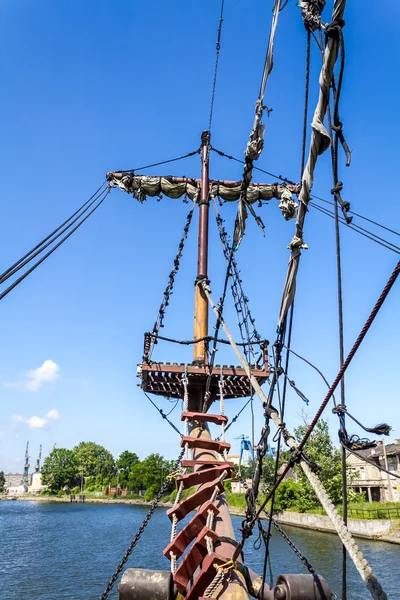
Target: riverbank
384	530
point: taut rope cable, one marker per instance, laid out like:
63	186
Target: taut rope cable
364	232
291	182
39	262
163	162
218	48
40	244
51	239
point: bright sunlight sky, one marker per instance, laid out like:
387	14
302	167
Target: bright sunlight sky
93	86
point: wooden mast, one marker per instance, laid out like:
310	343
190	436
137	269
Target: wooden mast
200	301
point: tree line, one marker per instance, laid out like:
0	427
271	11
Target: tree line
93	468
295	491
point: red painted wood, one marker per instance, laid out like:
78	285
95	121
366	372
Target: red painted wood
205	444
205	577
204	417
196	463
193	559
195	500
190	531
202	476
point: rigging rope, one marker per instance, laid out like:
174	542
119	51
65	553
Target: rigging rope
162	413
256	140
100	200
40	246
168	290
357	228
217	51
298	455
336	127
163	162
320	141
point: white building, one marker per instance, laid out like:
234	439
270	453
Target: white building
376	485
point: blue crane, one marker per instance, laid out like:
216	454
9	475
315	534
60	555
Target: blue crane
245	445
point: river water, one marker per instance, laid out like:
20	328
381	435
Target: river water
54	551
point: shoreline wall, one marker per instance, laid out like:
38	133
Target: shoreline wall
371	529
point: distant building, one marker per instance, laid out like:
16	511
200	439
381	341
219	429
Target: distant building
13	479
17	490
36	485
376	485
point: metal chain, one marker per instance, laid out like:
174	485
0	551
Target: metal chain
239	298
287	539
168	290
141	529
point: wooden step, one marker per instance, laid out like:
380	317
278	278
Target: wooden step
190	531
204	417
198	498
204	444
193	559
195	463
205	577
202	476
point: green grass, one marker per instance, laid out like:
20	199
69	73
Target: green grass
362	510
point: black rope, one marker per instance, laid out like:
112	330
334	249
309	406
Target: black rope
163	414
159	322
217	51
306	94
235	418
17	265
336	127
364	232
206	338
313	366
163	162
39	262
358	215
42	246
357	228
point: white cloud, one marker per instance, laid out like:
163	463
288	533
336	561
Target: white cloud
49	371
53	414
2	433
17	418
36	422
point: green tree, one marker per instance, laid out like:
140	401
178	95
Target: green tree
2	481
94	460
124	464
60	469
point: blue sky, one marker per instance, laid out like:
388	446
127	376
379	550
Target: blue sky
94	86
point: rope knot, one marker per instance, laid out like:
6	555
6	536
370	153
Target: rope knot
337	188
334	29
339	410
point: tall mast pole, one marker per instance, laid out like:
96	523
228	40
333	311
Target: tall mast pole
200	302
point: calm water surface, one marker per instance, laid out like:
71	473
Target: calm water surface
59	551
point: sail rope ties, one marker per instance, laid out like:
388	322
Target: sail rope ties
68	227
298	455
256	140
141	529
320	141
